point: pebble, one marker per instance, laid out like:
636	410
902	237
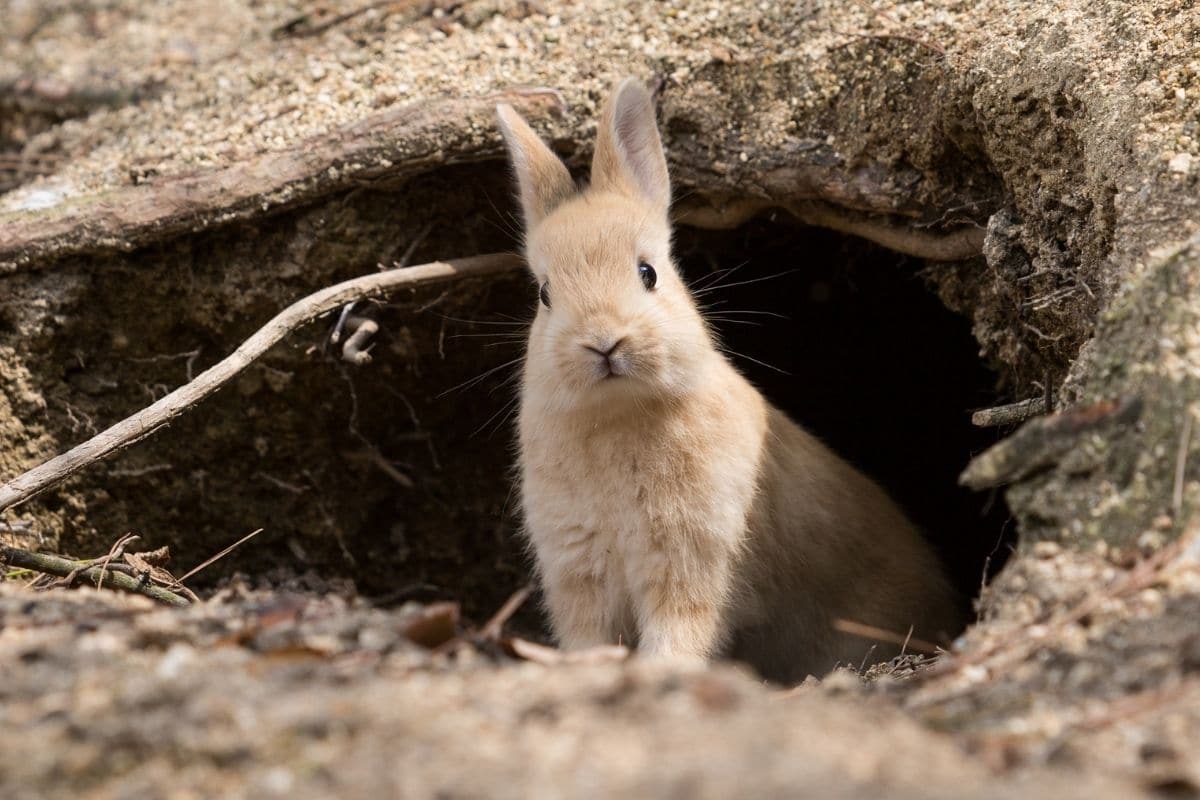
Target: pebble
1046	549
1180	163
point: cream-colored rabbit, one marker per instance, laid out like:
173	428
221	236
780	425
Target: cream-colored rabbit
668	504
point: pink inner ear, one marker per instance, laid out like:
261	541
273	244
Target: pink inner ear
641	149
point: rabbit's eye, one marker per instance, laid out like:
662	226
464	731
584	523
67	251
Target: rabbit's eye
544	293
647	274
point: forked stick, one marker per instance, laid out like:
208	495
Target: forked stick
150	419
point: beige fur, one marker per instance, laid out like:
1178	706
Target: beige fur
669	505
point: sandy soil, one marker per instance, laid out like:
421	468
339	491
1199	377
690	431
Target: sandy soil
302	691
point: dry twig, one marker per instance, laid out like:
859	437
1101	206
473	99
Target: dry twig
1011	414
494	626
209	561
908	642
95	572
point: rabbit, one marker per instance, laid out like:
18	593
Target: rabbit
668	505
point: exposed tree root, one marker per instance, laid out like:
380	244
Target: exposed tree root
954	245
392	145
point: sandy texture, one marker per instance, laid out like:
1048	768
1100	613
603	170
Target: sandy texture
307	696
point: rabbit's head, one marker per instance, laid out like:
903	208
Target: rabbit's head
615	320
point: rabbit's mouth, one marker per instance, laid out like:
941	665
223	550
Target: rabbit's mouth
610	371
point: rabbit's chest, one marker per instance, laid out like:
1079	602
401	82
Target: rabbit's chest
618	487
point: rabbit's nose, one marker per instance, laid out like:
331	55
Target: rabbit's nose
605	349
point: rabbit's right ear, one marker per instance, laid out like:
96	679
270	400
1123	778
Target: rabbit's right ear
542	178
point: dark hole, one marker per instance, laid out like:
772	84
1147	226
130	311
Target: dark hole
864	355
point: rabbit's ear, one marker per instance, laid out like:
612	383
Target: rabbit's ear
629	154
542	178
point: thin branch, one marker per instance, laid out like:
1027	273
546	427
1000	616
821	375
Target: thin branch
1011	414
890	637
94	573
209	561
153	417
494	626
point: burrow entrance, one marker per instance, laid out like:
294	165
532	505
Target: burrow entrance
392	477
848	338
844	335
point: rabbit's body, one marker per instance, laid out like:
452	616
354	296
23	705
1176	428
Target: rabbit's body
667	503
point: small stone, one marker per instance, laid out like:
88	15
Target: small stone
842	680
178	657
1150	541
1046	549
974	673
1180	163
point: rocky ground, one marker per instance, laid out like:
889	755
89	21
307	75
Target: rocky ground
1084	685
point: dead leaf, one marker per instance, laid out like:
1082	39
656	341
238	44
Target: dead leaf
433	625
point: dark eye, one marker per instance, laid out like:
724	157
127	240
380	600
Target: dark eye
647	274
544	293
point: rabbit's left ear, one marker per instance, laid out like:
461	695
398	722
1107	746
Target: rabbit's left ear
543	181
629	153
